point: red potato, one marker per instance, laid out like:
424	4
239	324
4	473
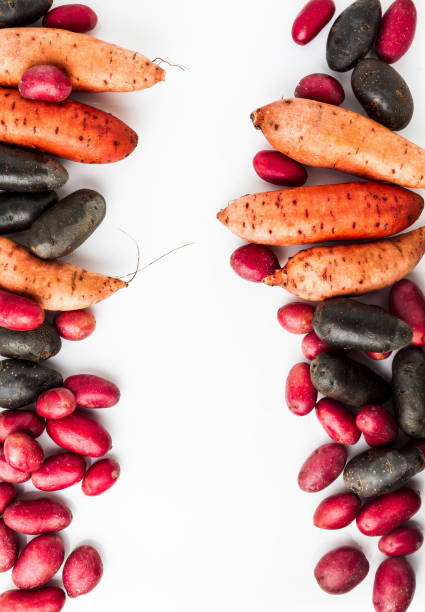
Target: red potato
101	477
38	515
378	426
418	443
59	472
402	541
296	317
300	394
93	391
311	20
397	31
394	586
407	302
80	435
320	87
312	346
337	421
7	495
82	571
378	356
387	512
44	82
341	570
75	324
10	474
253	262
279	169
74	17
56	403
9	547
23	452
19	313
337	511
38	562
25	421
322	467
47	599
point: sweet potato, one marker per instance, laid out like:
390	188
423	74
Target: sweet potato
82	571
329	271
54	285
383	514
337	511
402	541
321	213
394	586
322	467
327	136
47	599
71	130
36	516
91	64
38	562
340	570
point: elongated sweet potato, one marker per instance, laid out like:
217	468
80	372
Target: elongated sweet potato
324	135
320	213
71	130
91	64
328	271
54	285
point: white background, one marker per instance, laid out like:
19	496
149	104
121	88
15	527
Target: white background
207	515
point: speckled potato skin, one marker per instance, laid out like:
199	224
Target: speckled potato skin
394	586
409	391
22	12
21	382
22	170
19	210
386	512
341	570
378	471
37	345
322	467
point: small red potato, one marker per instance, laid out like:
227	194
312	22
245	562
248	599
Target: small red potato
378	356
9	548
301	396
82	571
18	313
56	403
254	262
278	169
75	324
337	511
74	17
387	512
377	425
312	346
59	472
47	599
337	421
7	495
320	87
394	586
323	466
402	541
341	570
38	562
93	391
101	477
397	31
38	515
23	452
296	317
81	435
311	20
25	421
44	82
407	302
418	443
10	474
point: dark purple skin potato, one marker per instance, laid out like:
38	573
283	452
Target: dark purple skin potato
21	382
19	210
24	170
22	12
37	345
341	570
409	391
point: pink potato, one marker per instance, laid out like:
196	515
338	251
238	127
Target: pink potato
296	317
47	599
254	262
19	313
397	31
337	421
80	434
394	586
301	396
387	512
377	425
37	515
38	562
23	452
25	421
337	511
378	356
59	472
341	570
101	477
56	403
402	541
47	83
7	495
418	443
322	467
75	324
10	474
74	17
407	302
320	87
9	548
278	169
93	391
311	20
82	571
312	346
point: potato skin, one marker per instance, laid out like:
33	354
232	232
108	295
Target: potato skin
253	262
402	541
35	345
311	20
394	586
75	325
56	403
59	472
38	562
22	170
45	82
341	570
397	31
296	317
22	452
409	391
10	474
9	547
377	425
300	394
407	302
74	17
80	435
19	210
337	511
386	512
22	381
19	313
322	467
278	169
337	421
47	599
379	470
100	477
93	391
22	12
37	516
312	346
20	420
7	495
320	87
82	571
